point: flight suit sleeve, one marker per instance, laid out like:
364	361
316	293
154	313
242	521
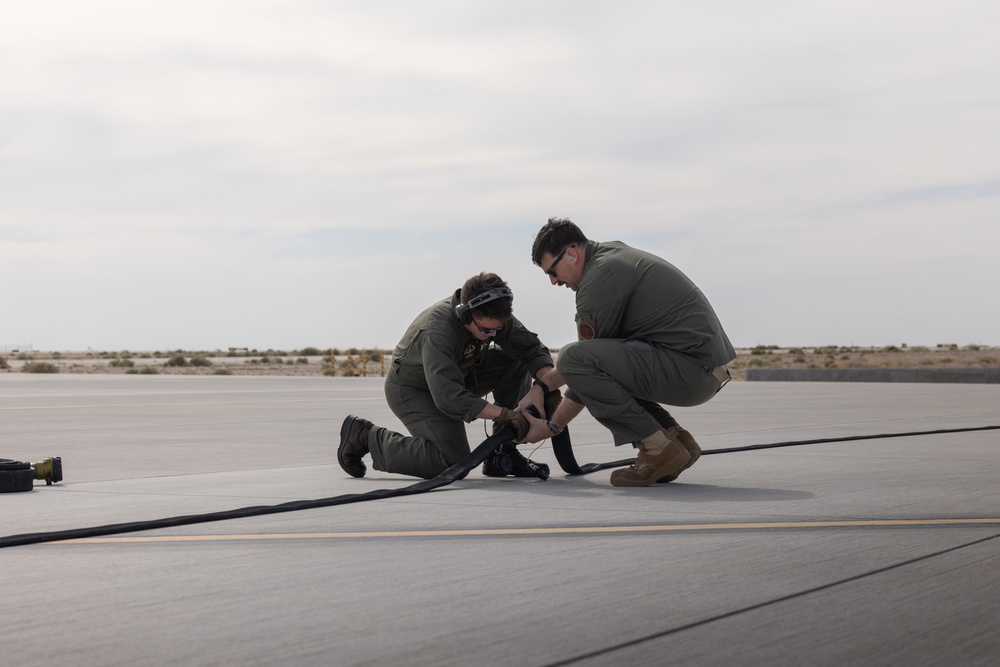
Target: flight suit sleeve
445	379
521	344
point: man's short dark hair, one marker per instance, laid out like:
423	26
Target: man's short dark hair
557	235
500	309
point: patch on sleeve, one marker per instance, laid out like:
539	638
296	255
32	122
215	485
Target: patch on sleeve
585	330
469	352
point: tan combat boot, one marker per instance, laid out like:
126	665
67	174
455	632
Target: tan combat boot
659	456
687	440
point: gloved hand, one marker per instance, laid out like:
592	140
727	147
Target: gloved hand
515	420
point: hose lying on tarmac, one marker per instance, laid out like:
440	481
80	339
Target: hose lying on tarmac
561	446
563	450
20	476
16	476
456	472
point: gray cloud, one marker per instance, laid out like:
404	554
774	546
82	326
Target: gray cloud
222	171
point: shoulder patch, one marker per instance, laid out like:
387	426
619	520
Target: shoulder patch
470	351
585	330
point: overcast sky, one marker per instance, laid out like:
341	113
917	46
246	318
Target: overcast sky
281	174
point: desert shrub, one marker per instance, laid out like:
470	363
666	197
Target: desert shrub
40	367
176	360
201	361
309	352
349	367
121	363
223	371
302	360
3	363
149	370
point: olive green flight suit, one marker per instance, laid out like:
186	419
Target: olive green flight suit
647	335
436	382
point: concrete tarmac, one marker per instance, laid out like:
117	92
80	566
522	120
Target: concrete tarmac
881	551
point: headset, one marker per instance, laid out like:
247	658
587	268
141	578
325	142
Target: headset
464	310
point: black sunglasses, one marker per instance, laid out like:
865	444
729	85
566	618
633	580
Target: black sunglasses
551	271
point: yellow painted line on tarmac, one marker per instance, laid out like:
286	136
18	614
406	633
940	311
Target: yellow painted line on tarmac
516	532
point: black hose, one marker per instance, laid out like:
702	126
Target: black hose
564	451
560	443
456	472
820	441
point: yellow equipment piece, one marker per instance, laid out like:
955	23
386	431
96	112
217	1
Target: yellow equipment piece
50	470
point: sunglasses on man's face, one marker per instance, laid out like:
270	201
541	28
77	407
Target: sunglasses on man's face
551	271
486	332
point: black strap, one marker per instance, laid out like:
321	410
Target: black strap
454	473
563	449
561	446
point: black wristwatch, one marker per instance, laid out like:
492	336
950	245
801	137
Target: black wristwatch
545	387
555	428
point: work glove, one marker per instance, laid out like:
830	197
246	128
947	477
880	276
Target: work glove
513	419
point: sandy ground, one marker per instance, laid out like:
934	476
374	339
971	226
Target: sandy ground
291	364
946	356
